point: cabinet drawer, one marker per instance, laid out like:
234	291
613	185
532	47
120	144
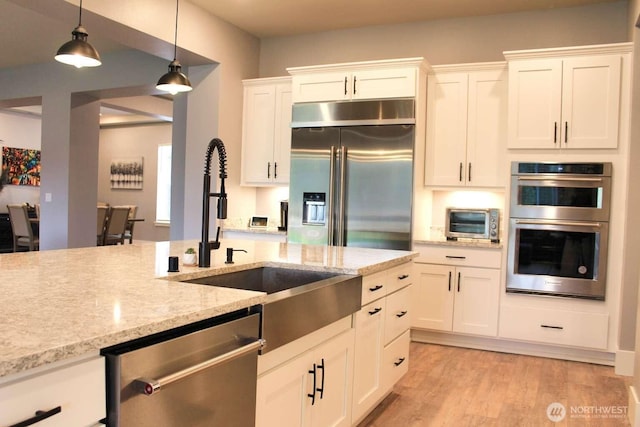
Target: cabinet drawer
564	327
395	361
397	318
374	286
468	257
399	277
79	390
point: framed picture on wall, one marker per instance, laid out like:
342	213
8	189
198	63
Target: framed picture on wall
126	174
20	166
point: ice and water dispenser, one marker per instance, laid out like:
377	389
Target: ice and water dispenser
314	209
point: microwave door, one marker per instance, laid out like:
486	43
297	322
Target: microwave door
570	198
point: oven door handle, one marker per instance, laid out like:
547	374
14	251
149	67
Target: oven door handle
559	178
556	222
149	386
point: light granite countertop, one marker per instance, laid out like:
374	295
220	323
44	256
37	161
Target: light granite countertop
62	304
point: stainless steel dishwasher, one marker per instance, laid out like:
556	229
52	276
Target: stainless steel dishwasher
199	375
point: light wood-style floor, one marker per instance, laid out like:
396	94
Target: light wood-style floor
450	386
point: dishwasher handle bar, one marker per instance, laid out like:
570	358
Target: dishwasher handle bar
148	386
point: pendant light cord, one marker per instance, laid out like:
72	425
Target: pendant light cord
80	17
175	39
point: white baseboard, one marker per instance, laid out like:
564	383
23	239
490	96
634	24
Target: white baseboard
516	347
625	362
634	408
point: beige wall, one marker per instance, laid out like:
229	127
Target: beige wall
214	110
134	142
451	41
632	248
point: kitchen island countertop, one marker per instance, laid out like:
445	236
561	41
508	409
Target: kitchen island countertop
62	304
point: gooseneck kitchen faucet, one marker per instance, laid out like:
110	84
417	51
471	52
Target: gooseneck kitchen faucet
205	247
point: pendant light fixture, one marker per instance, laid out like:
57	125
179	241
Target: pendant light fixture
79	52
174	81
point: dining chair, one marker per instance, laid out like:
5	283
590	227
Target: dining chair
116	225
128	232
23	235
101	224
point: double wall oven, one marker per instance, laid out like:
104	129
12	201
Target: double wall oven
558	229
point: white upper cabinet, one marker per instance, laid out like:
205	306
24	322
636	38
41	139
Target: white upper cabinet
570	100
466	125
266	131
354	81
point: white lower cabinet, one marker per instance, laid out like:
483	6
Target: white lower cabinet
395	360
74	395
382	338
460	298
555	326
367	386
313	389
335	376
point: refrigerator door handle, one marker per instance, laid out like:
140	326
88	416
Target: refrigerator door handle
332	184
341	201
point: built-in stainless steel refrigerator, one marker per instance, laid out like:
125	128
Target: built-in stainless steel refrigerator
352	174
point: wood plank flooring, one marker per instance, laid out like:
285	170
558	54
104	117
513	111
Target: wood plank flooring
450	386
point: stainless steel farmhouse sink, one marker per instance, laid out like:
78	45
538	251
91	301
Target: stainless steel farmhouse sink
298	301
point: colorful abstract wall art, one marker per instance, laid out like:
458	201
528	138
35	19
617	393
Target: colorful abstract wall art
21	166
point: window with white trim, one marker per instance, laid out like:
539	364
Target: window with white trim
163	195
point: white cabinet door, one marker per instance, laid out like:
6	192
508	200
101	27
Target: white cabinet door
591	102
335	380
476	301
355	84
259	131
432	296
466	128
395	360
313	389
384	83
285	387
367	387
323	86
487	128
565	103
458	299
266	136
445	161
282	128
535	88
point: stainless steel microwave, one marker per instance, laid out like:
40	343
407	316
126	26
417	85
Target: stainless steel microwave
472	224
